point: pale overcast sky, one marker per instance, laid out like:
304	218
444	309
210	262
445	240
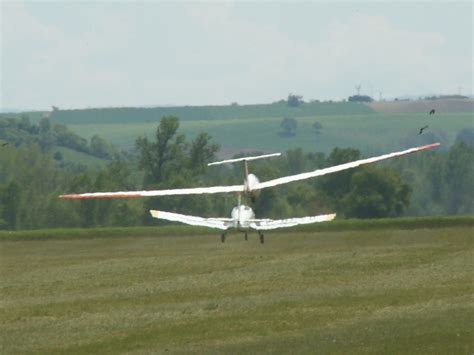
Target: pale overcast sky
100	54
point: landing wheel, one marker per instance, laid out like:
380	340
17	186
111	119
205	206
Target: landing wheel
245	236
262	238
223	237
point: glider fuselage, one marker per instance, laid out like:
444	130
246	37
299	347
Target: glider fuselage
241	216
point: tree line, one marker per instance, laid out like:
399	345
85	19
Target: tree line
31	179
49	135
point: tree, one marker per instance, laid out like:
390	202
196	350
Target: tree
317	128
360	98
58	156
466	135
201	151
101	148
171	162
85	207
25	124
10	200
294	100
459	179
288	126
66	138
301	197
158	159
46	136
376	192
336	185
296	161
270	204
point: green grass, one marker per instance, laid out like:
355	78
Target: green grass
370	133
178	229
378	291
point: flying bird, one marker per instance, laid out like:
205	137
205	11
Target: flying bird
422	129
432	112
4	144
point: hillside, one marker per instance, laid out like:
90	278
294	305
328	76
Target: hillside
372	128
441	106
370	133
185	113
65	146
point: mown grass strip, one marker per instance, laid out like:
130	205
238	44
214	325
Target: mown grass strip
178	230
398	223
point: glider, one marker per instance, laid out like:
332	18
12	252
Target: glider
251	184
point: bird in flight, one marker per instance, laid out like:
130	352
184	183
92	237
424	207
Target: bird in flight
432	112
4	144
422	129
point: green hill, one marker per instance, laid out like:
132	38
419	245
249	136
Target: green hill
67	147
370	133
185	113
374	128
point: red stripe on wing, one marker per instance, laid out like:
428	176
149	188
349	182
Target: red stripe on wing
78	196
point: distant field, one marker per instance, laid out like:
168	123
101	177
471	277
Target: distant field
209	113
376	291
424	106
373	133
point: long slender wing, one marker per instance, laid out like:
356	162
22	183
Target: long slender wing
265	224
333	169
190	191
219	223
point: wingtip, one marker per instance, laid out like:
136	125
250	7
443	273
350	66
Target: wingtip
73	196
428	146
66	197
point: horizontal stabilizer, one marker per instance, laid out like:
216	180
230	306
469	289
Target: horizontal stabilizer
245	158
266	224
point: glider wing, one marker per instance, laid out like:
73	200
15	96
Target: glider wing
336	168
190	191
241	188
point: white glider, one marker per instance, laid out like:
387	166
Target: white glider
251	183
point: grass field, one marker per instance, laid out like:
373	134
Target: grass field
374	133
188	113
388	290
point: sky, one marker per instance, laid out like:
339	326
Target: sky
77	54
